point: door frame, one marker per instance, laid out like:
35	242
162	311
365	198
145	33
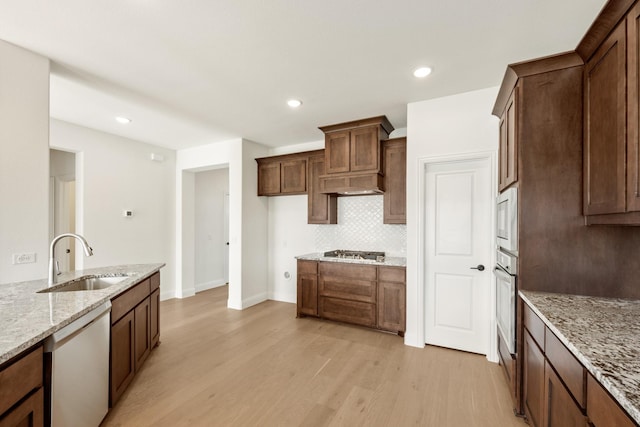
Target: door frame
491	158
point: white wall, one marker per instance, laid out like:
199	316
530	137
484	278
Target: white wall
210	242
440	127
114	174
24	162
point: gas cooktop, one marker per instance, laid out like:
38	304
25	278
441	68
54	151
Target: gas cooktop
345	254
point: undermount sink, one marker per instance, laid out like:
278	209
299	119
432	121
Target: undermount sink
87	283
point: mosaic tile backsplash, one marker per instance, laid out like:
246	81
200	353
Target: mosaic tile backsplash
360	228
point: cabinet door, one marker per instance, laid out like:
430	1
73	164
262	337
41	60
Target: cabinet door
337	150
155	317
391	306
293	176
605	124
308	294
321	208
508	159
533	381
633	105
30	413
122	355
307	288
365	150
268	178
559	408
395	182
142	332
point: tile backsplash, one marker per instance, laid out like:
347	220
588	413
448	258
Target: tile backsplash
360	228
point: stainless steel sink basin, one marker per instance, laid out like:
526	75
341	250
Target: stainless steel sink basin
87	283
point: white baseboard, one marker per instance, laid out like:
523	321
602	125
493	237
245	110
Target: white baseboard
209	285
256	299
283	297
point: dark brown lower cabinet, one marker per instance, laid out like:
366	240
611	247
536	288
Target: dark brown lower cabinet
349	311
391	299
135	331
142	314
29	413
361	294
533	381
557	390
122	355
559	408
155	318
21	390
307	287
602	410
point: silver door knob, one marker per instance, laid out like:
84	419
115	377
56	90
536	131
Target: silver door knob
480	267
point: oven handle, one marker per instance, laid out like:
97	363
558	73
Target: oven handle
498	271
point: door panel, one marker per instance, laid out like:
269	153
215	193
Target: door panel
458	206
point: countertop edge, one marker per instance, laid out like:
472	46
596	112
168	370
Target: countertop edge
388	262
32	340
618	395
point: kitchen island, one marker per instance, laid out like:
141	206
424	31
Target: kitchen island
603	334
28	317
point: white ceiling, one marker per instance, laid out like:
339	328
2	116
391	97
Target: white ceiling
200	71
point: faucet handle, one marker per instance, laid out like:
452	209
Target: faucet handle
58	272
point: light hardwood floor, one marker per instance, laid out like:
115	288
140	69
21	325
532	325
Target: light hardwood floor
263	367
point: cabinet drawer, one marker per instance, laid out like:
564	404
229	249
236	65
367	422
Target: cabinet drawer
307	267
154	282
127	301
20	378
360	313
534	325
602	410
347	288
356	271
567	366
391	274
508	363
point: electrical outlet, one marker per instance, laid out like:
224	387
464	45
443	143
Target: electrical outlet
25	258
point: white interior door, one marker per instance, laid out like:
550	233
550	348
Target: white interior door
458	238
226	237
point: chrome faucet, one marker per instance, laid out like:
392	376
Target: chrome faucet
54	270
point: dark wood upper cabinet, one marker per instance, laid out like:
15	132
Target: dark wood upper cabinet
605	122
321	208
612	116
282	175
395	181
508	160
355	146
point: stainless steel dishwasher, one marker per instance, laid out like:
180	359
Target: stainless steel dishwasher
80	370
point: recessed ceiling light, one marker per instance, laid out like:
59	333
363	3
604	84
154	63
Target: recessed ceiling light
294	103
123	120
422	72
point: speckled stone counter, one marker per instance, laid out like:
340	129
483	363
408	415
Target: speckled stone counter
27	317
603	334
388	262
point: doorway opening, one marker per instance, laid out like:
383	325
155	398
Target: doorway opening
211	229
62	205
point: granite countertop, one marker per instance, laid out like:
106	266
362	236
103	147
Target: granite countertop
603	334
27	317
388	261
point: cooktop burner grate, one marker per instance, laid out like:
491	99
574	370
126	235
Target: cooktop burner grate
346	254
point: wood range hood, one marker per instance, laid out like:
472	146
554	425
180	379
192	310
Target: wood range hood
353	157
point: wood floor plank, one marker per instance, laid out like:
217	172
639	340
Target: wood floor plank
263	367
